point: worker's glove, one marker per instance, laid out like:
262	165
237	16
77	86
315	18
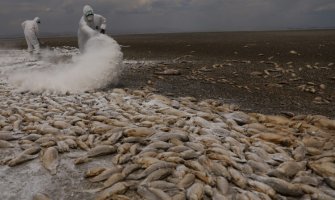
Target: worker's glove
102	31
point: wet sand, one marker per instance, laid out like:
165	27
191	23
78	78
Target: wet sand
290	72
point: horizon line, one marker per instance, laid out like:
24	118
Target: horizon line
51	35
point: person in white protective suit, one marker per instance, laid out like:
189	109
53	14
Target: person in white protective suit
90	25
30	28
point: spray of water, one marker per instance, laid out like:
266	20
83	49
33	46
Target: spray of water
99	66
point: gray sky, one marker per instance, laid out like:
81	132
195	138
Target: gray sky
152	16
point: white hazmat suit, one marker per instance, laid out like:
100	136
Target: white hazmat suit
90	25
30	29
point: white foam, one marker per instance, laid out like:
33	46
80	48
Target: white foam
99	66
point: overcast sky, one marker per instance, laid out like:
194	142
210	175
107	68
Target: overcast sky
152	16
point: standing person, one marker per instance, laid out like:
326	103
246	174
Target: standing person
30	28
90	24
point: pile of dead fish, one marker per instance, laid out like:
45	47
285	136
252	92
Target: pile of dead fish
165	148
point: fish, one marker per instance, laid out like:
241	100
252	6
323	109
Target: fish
21	158
186	181
41	196
5	144
195	192
50	160
101	150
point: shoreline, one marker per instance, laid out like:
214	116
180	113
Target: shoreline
267	72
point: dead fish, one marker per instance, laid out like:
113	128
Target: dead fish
174	159
145	193
189	154
204	176
158	145
163	185
173	112
281	186
330	181
187	181
147	161
45	129
5	144
101	150
223	158
309	180
316	142
208	191
157	175
160	194
106	174
163	136
117	177
134	149
327	190
90	140
324	169
50	160
179	196
7	136
259	167
261	187
130	168
100	128
45	139
218	196
139	132
194	165
99	118
48	144
82	145
299	153
178	149
31	118
238	178
266	146
31	137
253	156
62	147
139	140
157	166
124	148
115	137
325	123
27	146
32	150
288	169
82	160
94	172
118	188
17	125
195	192
122	197
21	158
72	144
41	196
276	138
315	192
219	170
167	154
79	129
61	124
222	185
180	171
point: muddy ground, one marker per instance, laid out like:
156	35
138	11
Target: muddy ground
291	72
